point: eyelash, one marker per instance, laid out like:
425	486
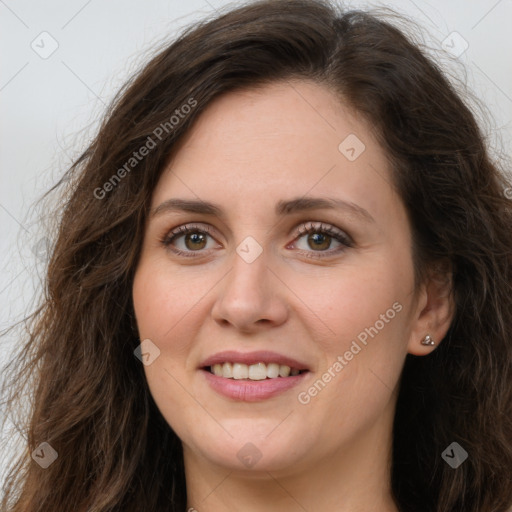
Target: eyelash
305	229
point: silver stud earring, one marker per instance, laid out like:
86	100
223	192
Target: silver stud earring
427	340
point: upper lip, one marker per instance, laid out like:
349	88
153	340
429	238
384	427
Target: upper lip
260	356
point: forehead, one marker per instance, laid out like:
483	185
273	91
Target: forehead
284	139
289	120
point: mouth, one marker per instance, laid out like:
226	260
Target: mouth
254	376
253	372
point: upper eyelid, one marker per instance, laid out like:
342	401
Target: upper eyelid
302	228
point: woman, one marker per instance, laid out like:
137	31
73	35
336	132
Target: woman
282	281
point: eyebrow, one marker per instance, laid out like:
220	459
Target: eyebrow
283	207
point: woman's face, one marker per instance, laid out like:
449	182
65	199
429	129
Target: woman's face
336	304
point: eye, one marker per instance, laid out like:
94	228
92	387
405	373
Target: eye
320	237
194	239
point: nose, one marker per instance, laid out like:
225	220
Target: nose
252	296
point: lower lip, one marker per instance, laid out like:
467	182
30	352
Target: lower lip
251	391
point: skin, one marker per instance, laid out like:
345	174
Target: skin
247	151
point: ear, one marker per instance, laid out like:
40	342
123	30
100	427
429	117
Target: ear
435	309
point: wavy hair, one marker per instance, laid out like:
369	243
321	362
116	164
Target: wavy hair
87	393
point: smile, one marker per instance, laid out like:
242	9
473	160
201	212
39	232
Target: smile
252	376
258	371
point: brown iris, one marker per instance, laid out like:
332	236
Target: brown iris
317	237
195	238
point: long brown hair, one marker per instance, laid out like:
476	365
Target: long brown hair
88	397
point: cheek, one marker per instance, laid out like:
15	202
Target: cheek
170	308
364	317
362	303
164	302
165	310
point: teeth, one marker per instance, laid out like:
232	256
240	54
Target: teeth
258	371
240	371
272	370
284	370
227	370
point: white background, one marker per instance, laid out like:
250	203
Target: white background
49	107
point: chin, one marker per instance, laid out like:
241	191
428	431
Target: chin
251	452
